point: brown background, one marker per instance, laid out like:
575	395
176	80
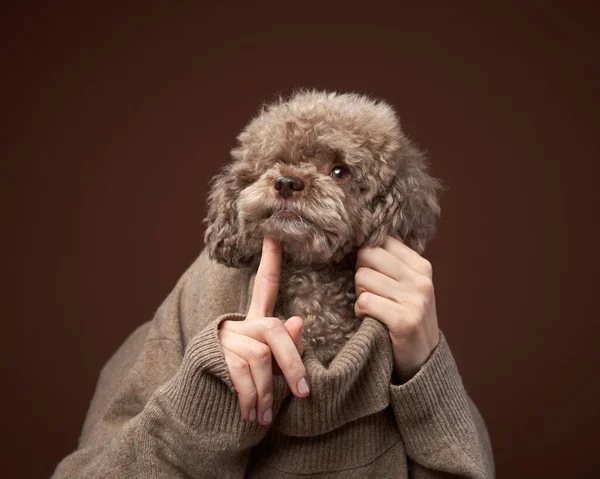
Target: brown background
116	118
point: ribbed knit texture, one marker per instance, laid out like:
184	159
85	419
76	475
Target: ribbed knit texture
167	408
202	394
434	400
355	385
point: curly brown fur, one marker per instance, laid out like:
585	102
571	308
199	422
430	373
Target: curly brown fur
388	191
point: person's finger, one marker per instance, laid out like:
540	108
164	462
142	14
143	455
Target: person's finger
258	356
273	333
368	279
379	259
397	247
289	358
241	377
294	326
398	318
266	283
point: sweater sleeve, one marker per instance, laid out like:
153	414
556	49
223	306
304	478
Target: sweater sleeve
165	409
442	429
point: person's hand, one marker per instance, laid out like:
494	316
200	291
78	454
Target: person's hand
250	345
394	285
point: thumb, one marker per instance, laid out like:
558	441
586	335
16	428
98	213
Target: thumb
294	327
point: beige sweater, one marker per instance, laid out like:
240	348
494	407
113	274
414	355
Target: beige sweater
164	405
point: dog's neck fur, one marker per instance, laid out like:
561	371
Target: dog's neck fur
324	298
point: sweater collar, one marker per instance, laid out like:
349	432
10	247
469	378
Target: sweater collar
355	385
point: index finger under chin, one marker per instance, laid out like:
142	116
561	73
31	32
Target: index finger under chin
266	283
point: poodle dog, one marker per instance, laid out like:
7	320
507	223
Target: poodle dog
324	174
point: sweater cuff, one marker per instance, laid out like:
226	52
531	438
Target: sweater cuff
201	392
201	389
432	408
205	354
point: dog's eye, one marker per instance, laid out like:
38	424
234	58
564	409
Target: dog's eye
340	172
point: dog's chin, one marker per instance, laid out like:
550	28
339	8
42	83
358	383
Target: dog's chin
302	241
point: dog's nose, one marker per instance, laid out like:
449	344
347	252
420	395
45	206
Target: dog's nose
286	185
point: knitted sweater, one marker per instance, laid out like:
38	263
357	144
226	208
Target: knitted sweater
164	405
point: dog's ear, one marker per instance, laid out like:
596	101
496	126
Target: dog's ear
410	205
222	225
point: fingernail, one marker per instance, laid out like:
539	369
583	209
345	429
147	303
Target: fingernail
252	415
302	386
267	415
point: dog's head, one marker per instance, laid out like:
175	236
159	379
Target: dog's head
324	173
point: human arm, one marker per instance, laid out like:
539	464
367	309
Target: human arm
441	427
442	430
164	404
